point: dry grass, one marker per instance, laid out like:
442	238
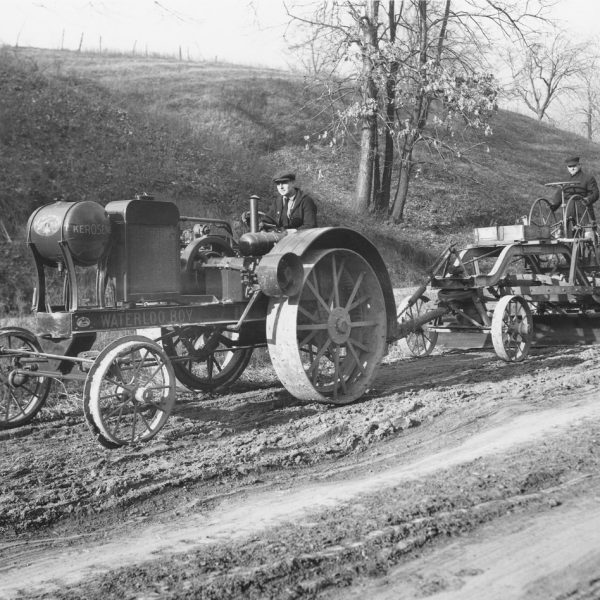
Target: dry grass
207	136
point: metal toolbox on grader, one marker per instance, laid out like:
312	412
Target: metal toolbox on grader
319	299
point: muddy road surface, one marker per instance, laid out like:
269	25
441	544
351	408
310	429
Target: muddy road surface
456	476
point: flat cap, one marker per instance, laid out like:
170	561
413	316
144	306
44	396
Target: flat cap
572	161
284	176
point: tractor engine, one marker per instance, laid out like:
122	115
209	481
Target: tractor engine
214	265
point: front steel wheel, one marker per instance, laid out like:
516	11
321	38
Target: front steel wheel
512	328
129	392
326	342
22	392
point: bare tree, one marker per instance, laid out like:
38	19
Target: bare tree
412	74
588	91
544	70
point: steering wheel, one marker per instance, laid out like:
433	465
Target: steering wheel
265	222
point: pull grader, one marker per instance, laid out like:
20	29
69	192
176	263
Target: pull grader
517	284
319	299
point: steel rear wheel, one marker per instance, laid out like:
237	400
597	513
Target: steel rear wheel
129	392
512	328
21	395
327	342
205	359
421	341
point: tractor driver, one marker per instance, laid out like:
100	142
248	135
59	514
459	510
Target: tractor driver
583	185
292	208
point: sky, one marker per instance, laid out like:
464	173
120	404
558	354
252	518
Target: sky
243	31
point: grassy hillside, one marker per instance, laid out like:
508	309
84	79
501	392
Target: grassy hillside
207	136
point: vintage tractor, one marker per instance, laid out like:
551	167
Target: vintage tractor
320	300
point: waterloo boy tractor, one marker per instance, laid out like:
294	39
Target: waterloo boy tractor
320	300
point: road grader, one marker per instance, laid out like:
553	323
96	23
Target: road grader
533	282
319	299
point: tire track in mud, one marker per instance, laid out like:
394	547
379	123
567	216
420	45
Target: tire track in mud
540	557
230	518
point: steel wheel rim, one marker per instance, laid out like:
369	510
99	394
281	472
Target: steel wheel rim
422	341
327	342
21	397
512	325
129	392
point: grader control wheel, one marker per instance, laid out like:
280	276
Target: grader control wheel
326	342
542	215
512	328
421	341
579	222
21	395
129	392
205	358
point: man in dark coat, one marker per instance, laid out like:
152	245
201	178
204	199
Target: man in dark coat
582	185
292	208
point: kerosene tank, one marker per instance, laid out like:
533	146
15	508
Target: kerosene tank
81	228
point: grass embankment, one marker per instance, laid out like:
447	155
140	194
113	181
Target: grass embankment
207	136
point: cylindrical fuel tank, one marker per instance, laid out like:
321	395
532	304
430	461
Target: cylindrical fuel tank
83	226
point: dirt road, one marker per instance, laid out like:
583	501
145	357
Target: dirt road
458	476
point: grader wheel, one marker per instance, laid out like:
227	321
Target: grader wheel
129	392
421	341
327	342
21	395
512	328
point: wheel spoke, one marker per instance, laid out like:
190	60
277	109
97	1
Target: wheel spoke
318	296
209	367
17	402
135	413
311	327
309	337
315	363
308	315
372	323
359	344
146	424
358	302
357	285
355	356
217	363
335	282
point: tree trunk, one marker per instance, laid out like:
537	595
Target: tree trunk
383	198
377	191
364	181
402	193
